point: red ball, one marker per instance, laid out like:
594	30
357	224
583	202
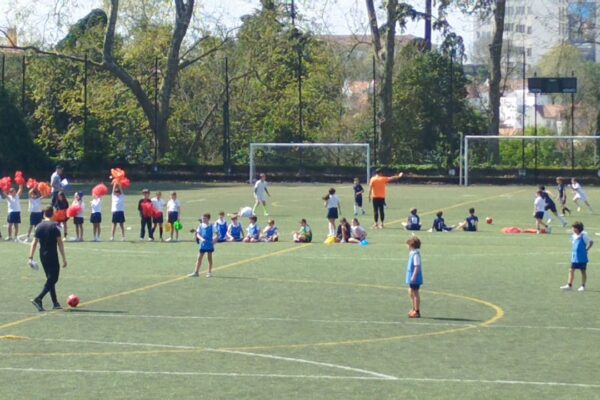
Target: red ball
73	300
489	220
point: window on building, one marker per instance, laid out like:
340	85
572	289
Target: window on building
509	11
519	10
520	28
529	52
508	27
529	30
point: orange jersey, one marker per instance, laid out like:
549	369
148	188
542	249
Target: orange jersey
378	185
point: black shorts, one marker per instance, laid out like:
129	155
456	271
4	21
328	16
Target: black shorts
172	216
332	213
78	220
551	207
539	215
158	219
35	218
96	218
358	200
14	217
414	286
118	217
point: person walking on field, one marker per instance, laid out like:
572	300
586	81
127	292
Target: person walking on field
377	191
260	194
49	238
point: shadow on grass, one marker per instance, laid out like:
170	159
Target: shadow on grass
85	310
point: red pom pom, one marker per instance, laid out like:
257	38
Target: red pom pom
147	210
117	174
19	178
60	215
157	214
5	183
31	183
73	211
45	189
125	183
100	190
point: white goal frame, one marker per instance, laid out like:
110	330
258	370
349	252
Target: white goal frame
256	146
464	173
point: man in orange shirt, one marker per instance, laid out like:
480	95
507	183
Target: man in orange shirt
377	191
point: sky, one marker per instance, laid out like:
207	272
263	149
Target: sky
329	16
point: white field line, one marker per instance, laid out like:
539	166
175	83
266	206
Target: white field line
321	321
322	377
195	201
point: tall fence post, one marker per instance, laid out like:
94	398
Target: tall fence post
23	71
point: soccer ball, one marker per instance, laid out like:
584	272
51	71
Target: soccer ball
73	300
489	220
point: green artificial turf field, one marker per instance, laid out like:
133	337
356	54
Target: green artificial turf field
312	321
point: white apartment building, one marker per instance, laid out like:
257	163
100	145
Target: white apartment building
535	26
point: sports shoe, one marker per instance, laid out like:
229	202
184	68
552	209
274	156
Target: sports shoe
193	275
549	230
168	240
208	275
57	306
566	287
414	314
581	289
112	238
37	303
578	209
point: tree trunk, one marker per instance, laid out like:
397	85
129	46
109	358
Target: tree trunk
496	73
386	57
428	12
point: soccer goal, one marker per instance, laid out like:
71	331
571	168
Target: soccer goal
310	161
517	154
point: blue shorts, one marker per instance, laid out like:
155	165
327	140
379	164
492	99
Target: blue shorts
14	217
581	266
207	250
539	215
551	207
332	213
172	216
358	200
414	286
413	227
96	218
158	220
78	220
118	217
35	218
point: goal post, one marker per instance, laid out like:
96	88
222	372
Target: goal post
543	151
320	154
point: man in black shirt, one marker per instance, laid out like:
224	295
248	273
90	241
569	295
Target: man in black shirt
49	237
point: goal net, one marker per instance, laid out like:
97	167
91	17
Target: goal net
522	156
311	161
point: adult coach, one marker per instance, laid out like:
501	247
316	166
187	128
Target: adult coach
377	191
56	183
260	194
49	237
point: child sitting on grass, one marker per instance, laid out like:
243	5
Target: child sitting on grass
235	230
413	221
470	223
304	233
358	233
270	233
439	225
343	231
252	231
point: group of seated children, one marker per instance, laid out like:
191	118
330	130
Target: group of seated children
413	222
234	231
347	233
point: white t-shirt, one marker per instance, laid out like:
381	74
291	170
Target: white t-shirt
333	201
173	205
358	232
539	204
246	212
158	204
35	205
55	182
96	205
260	188
14	205
118	203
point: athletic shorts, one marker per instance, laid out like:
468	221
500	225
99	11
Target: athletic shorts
158	219
551	207
358	200
78	220
578	196
118	217
262	198
172	216
210	250
581	266
413	227
14	217
35	218
539	215
414	286
332	213
96	218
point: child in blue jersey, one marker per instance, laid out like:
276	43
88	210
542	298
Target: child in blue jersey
470	223
252	231
204	235
358	197
221	228
270	233
235	231
414	275
561	189
551	206
413	221
439	225
581	244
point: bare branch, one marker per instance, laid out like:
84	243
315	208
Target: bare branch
186	63
36	50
